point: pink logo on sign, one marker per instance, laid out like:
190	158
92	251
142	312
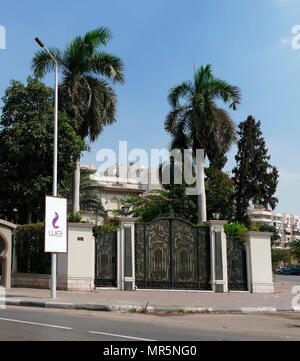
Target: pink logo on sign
54	221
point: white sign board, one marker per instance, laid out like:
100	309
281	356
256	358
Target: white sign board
56	231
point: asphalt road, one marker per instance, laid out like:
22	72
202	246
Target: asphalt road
32	324
293	279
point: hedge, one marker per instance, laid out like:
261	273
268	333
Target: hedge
30	250
107	228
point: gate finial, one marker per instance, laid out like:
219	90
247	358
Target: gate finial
171	212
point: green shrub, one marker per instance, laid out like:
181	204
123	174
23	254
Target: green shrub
201	225
281	256
255	227
31	257
262	227
75	217
107	228
295	250
234	230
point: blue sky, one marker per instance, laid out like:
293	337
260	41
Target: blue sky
248	43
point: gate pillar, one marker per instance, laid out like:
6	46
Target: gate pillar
218	254
6	233
259	262
76	269
126	254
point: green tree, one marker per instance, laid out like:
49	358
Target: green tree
254	177
159	203
219	194
295	249
262	227
85	94
280	256
201	122
26	149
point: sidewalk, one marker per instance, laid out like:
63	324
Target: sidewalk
157	301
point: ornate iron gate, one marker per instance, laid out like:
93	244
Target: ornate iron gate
237	266
105	260
172	253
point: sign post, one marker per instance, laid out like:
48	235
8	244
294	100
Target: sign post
56	232
53	256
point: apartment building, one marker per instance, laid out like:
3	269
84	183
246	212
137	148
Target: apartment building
287	225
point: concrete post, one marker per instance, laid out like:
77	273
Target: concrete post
218	254
76	190
76	269
126	255
259	262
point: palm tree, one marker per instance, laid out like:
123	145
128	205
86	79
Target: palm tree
200	121
90	194
84	93
90	190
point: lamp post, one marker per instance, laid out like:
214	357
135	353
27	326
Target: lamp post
53	255
125	210
216	216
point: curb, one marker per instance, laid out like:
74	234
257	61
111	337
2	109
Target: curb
147	309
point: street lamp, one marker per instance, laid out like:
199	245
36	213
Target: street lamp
53	256
16	215
216	215
125	210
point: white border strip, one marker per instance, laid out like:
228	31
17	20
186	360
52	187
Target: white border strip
121	336
36	323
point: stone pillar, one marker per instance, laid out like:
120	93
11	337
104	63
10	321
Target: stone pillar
6	229
218	256
259	262
76	269
126	255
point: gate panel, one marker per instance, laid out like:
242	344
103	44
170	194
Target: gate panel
237	266
158	254
184	249
140	255
172	253
106	265
204	258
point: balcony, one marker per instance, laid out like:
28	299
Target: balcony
259	212
261	220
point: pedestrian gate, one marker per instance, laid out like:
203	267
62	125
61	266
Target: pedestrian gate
237	265
105	257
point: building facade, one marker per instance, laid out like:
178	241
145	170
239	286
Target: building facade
287	225
119	183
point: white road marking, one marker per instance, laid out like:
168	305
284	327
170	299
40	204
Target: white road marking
35	323
121	336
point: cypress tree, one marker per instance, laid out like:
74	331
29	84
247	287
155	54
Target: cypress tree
254	177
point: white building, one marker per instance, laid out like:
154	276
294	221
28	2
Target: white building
119	183
287	225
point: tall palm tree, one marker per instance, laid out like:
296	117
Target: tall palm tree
200	121
90	194
84	93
